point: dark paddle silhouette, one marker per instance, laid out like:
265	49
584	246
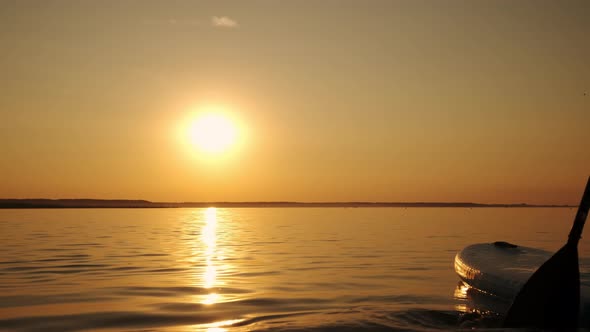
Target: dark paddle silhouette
551	297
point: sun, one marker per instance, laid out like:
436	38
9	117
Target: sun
212	132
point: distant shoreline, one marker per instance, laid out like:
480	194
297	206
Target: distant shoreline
110	204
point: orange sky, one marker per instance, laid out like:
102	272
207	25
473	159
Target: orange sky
336	100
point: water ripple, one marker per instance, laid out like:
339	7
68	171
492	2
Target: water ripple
182	270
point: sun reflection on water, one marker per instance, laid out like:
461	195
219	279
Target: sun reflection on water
219	326
209	239
211	298
210	255
461	293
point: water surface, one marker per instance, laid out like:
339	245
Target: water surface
255	269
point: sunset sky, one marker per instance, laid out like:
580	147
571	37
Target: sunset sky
482	101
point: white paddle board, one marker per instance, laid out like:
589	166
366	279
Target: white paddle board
498	268
501	269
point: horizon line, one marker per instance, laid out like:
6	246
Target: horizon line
96	202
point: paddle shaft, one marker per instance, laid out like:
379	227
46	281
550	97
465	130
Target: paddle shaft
576	232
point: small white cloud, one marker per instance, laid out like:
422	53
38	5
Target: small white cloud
223	22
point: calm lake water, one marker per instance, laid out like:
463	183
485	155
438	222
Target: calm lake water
313	269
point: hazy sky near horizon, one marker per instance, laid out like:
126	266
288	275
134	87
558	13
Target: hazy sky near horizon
478	101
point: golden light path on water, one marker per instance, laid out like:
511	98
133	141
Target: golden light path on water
209	239
209	277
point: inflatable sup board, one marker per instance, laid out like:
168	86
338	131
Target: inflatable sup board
501	269
549	291
498	268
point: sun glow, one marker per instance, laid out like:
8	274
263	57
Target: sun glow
212	132
213	135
